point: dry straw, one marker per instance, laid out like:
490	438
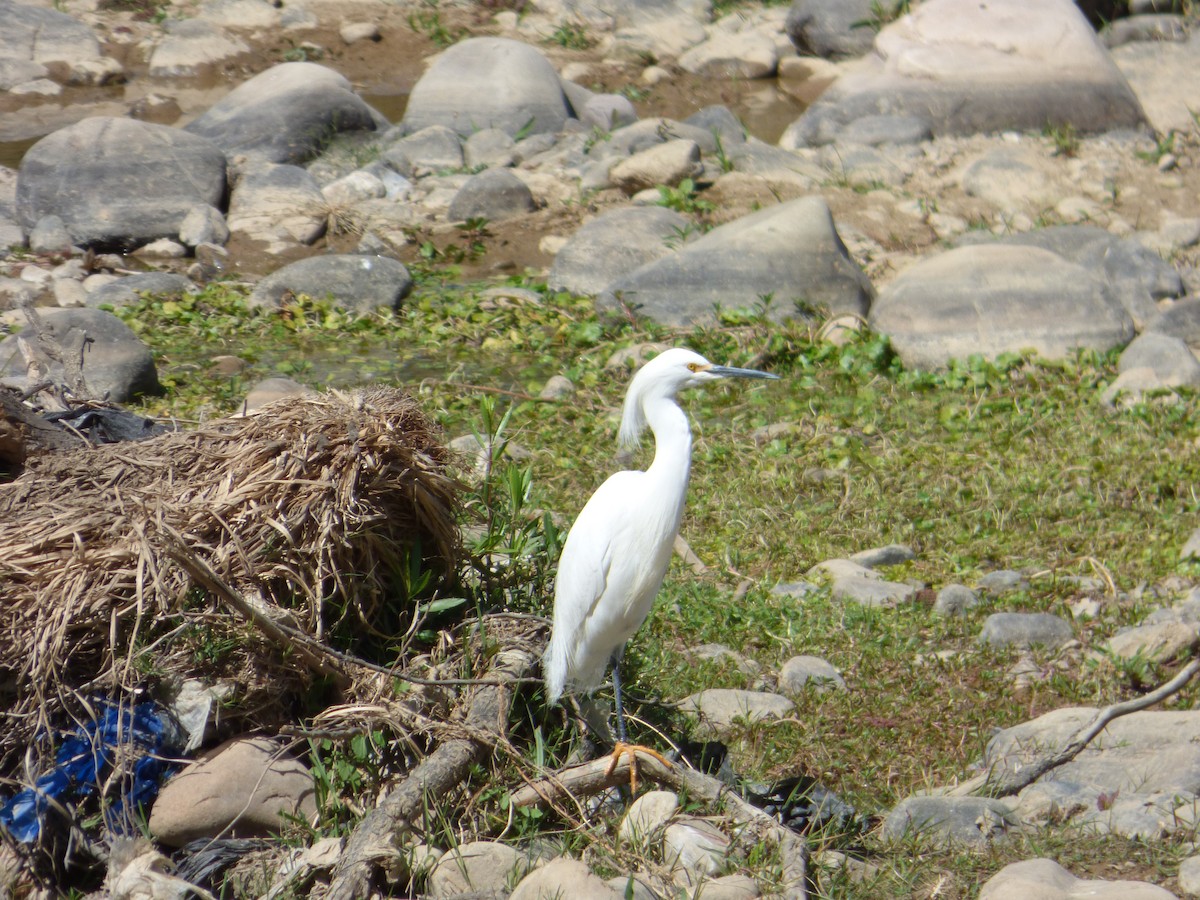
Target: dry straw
312	508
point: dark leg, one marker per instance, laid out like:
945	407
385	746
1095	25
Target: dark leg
616	667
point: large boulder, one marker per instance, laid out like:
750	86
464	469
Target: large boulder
790	253
489	82
831	28
970	67
287	114
117	181
359	283
37	35
613	243
996	299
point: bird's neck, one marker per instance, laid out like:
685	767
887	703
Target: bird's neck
672	442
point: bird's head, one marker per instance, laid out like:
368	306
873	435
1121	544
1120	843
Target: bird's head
666	375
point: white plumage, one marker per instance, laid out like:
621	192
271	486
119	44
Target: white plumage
618	550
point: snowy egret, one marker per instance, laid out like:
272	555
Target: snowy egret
616	554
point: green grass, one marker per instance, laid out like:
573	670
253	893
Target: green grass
1007	464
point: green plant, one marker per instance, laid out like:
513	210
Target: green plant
1064	137
428	21
684	198
571	36
883	13
1163	145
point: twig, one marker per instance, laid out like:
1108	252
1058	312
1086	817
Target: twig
754	824
1005	784
377	837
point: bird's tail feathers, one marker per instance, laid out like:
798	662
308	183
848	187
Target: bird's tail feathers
554	670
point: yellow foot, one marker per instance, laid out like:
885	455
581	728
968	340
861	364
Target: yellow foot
620	748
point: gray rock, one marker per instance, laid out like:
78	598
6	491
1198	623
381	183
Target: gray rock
614	242
720	708
802	672
721	121
774	164
891	555
493	195
117	364
1160	73
49	235
1149	27
830	28
667	164
129	289
35	35
790	252
357	187
631	887
872	591
435	148
1047	880
1001	581
733	55
118	181
241	789
489	82
843	568
483	867
1168	357
203	224
287	114
557	387
883	129
362	284
647	133
1139	277
563	877
799	589
608	111
998	299
279	205
1181	320
1025	630
647	817
969	821
191	48
696	847
955	600
970	68
1161	642
1189	876
271	389
489	147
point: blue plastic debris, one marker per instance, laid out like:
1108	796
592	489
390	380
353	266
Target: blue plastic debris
145	736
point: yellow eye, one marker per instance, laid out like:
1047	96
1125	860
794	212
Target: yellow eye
694	367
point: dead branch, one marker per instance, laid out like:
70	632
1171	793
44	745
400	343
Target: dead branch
1003	784
753	825
376	839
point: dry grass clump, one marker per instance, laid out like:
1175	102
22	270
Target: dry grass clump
316	509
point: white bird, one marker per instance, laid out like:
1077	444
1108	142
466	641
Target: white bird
617	552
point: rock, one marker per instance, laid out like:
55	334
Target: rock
271	389
1150	27
345	192
718	653
790	252
118	182
955	600
799	589
117	364
829	28
741	54
871	591
239	789
353	32
489	82
1163	642
891	555
287	114
1168	358
666	164
563	877
127	290
997	299
721	708
193	48
884	129
802	672
1189	876
488	148
49	235
494	195
40	36
721	122
432	149
557	387
278	205
631	887
695	849
1158	73
608	111
967	67
972	821
1025	630
362	284
1047	880
1002	581
484	867
615	242
843	568
203	224
730	887
1013	178
647	816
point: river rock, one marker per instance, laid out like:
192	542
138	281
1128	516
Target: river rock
969	67
117	365
434	148
997	299
484	867
830	28
279	205
647	816
971	821
240	789
489	82
740	54
871	591
191	48
615	242
1009	629
802	672
1047	880
563	877
493	195
721	708
38	36
666	164
695	849
955	600
127	290
489	148
287	114
790	252
117	181
1160	642
362	284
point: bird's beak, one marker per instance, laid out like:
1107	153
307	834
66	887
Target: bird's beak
731	372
